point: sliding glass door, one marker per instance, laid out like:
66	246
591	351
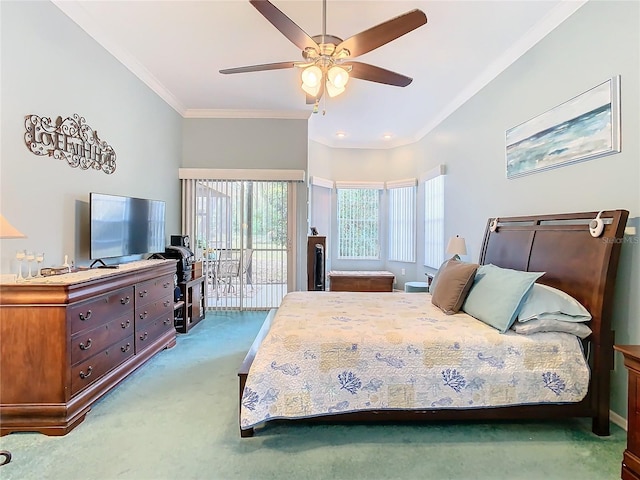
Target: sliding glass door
242	232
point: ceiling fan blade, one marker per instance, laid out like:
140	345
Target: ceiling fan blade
285	25
260	68
379	35
371	73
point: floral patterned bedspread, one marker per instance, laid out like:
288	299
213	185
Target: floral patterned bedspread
335	352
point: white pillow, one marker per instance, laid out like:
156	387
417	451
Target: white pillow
548	325
544	302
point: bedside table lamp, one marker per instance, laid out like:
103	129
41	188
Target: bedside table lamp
457	246
9	231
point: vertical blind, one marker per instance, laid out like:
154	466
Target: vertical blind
402	220
246	222
358	219
434	218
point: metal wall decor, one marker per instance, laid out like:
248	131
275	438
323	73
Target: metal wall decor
70	139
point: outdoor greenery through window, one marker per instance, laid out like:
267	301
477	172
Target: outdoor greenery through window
358	223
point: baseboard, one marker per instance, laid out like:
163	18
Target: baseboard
618	420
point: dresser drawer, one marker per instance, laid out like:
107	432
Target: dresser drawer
86	344
147	333
99	310
153	290
152	310
85	373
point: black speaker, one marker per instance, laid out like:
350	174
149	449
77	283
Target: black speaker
180	241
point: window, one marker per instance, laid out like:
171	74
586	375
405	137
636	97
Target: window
358	220
434	218
402	220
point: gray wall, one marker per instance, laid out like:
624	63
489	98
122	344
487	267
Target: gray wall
253	144
600	40
245	143
50	67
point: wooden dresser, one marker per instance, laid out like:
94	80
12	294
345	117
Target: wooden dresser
631	457
66	341
361	281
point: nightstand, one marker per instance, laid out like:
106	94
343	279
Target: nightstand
631	457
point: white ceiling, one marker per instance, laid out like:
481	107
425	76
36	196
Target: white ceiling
177	48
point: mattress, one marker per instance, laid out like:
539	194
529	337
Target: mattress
338	352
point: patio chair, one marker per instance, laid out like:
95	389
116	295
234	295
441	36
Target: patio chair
231	265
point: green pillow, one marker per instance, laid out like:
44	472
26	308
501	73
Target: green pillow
497	295
546	302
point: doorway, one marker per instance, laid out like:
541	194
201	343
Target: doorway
242	231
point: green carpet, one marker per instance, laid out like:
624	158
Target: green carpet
177	418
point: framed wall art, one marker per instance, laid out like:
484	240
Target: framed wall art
585	127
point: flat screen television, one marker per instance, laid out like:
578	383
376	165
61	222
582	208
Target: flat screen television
122	226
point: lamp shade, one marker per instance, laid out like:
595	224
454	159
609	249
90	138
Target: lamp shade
457	246
338	76
332	90
9	231
311	80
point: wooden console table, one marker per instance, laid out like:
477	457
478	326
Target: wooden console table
68	340
361	281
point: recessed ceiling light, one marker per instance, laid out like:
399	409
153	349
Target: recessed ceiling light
341	134
387	136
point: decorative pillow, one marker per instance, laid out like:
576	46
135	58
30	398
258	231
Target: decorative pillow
546	302
432	287
454	282
497	294
549	325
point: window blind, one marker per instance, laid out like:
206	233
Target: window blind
402	221
434	218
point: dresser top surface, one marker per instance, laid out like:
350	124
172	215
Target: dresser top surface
86	275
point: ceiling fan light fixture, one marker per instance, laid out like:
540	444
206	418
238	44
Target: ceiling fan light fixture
332	90
312	76
338	76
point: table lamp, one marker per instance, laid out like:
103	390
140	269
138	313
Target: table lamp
9	231
457	246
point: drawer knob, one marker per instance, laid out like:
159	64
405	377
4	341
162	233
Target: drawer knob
86	375
167	303
85	316
125	300
143	293
144	336
167	321
125	348
144	315
166	284
125	324
86	346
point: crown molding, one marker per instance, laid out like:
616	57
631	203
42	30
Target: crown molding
78	14
536	33
230	113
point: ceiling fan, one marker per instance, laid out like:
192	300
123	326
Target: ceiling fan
328	62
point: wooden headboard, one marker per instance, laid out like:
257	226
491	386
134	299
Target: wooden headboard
575	262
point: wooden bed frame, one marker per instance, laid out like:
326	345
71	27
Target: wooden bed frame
575	262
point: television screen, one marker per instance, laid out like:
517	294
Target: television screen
121	226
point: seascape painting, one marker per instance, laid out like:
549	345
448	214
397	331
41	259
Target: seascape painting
585	127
